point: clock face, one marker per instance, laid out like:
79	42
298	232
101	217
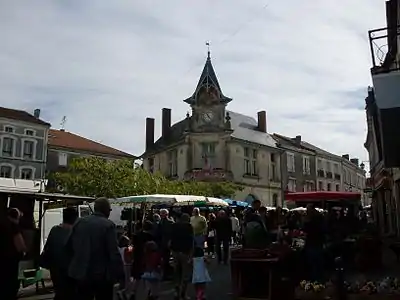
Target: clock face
208	116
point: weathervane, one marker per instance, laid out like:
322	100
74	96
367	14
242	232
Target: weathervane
208	49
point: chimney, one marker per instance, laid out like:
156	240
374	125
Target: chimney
354	161
346	156
262	121
165	121
149	133
298	140
36	113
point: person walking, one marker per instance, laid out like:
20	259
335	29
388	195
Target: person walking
56	258
223	229
96	264
199	224
149	284
163	236
235	229
182	241
211	235
200	276
12	250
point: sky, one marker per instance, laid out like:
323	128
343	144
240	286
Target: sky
107	65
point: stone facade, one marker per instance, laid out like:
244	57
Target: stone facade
23	144
213	144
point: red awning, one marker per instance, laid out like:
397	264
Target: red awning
320	196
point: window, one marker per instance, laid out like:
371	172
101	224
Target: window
62	159
328	166
209	148
250	161
320	186
337	188
28	149
275	200
290	162
292	185
328	187
306	165
173	163
6	171
274	172
26	173
336	168
308	186
9	129
29	132
208	154
319	164
8	147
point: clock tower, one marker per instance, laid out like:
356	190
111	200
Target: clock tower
208	103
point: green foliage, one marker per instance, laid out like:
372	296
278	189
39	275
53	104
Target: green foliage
95	177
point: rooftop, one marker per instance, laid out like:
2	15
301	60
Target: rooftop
20	115
67	140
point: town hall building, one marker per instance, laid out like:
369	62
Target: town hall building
215	144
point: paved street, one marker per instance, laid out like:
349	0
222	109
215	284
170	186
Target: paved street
219	289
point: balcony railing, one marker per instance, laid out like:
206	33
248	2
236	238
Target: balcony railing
384	59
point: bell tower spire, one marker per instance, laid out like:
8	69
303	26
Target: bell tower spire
208	83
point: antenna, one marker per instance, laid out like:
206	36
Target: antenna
62	124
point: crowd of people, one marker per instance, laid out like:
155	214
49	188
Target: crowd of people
88	256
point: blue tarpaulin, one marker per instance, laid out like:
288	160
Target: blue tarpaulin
236	203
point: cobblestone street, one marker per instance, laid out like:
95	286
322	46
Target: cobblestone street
219	288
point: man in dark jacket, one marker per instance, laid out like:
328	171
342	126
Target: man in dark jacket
163	237
182	243
223	230
55	256
96	263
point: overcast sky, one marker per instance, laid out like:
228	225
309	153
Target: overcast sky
107	65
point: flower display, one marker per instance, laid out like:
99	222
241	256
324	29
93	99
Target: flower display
384	286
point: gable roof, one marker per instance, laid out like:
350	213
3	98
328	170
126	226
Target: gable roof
67	140
20	115
243	128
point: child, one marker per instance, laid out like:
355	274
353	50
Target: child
125	249
200	275
150	280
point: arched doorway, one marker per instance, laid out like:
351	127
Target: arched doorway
250	198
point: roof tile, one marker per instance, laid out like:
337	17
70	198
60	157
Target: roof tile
20	115
68	140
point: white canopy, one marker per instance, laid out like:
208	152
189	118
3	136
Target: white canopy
159	199
216	202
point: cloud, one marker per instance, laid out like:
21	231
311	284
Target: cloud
106	65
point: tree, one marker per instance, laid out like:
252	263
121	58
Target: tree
94	177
